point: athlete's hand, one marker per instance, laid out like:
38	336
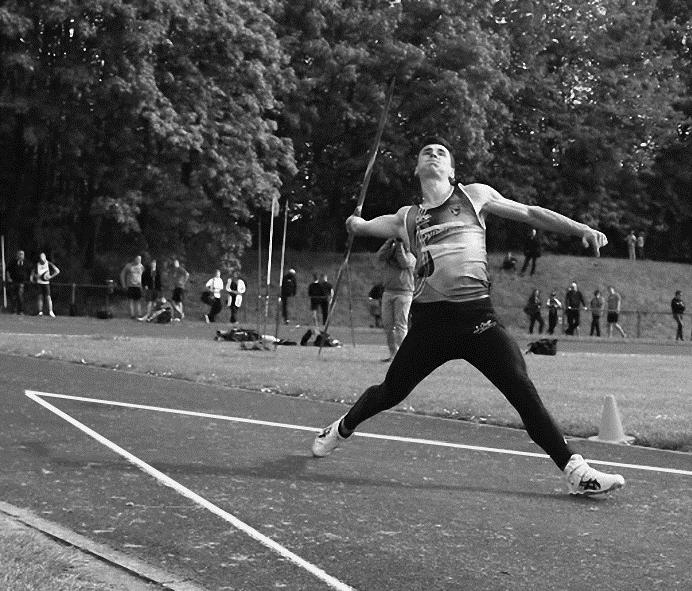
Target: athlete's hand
595	240
352	223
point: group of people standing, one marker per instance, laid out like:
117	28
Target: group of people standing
212	296
20	272
145	283
574	304
635	245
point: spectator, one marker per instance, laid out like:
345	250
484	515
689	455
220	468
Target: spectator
42	273
553	304
398	264
327	295
375	304
574	301
677	307
532	250
18	274
631	242
214	287
316	296
289	287
640	246
509	263
131	280
235	287
613	302
161	312
151	284
597	304
533	311
179	277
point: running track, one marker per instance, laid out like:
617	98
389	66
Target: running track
379	514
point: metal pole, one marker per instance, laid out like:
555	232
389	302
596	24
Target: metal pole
4	276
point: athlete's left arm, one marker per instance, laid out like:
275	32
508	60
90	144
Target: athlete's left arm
542	218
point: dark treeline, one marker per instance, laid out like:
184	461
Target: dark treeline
168	126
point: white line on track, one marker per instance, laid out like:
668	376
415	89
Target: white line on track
359	434
186	492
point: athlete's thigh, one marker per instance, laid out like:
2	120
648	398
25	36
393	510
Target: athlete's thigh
497	355
422	351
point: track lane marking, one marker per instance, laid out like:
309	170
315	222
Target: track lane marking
414	440
314	570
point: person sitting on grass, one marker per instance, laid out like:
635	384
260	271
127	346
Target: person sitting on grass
161	312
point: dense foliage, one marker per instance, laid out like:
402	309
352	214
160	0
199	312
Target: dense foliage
169	126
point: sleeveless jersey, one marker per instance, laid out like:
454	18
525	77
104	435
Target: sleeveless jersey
449	244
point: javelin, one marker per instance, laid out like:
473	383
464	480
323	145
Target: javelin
361	199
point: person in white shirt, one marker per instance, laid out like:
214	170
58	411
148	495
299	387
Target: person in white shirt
235	287
215	287
42	273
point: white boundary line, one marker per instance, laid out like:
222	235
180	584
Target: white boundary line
186	492
359	434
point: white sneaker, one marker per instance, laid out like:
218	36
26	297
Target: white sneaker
40	314
51	314
328	440
582	479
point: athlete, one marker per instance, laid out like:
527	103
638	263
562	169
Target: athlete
452	310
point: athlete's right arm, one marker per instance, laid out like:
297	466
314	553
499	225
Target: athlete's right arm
384	226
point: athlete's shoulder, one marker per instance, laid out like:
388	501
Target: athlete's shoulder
480	191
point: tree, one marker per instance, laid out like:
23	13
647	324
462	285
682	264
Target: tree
148	118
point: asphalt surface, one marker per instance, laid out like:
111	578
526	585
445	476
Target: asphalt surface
377	514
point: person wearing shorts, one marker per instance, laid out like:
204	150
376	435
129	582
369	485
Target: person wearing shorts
43	272
452	314
613	303
131	280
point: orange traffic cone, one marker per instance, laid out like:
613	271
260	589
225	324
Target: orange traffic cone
610	430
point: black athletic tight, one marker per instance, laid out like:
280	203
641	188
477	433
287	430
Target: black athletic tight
444	331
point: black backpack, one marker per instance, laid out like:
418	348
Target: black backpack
543	347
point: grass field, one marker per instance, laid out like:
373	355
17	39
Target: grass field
652	391
32	562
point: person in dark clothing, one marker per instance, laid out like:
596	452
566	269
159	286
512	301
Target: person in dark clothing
289	287
452	314
316	296
532	250
574	303
677	307
553	304
327	295
18	273
533	311
375	304
151	283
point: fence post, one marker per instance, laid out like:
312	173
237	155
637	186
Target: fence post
639	324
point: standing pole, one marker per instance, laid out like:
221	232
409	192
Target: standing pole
281	269
4	275
361	199
350	306
269	264
259	271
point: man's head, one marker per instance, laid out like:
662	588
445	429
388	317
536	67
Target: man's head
42	257
20	255
611	289
435	158
138	260
176	263
573	286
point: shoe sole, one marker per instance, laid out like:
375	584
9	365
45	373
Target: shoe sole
592	493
